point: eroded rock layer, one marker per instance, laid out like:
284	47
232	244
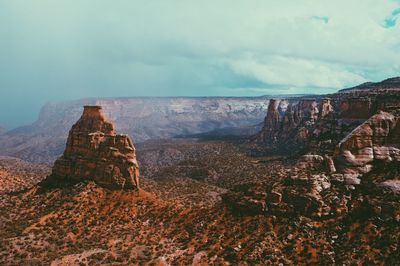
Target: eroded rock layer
95	152
293	127
377	139
350	163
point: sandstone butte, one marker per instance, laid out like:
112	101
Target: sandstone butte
94	152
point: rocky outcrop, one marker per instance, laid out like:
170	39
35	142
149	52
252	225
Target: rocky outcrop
325	108
365	100
317	125
356	107
95	152
351	143
296	194
375	140
285	129
272	123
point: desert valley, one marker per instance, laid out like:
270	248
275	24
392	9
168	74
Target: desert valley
285	180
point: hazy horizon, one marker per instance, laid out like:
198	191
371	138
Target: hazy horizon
127	97
67	50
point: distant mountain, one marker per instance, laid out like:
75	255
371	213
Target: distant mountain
143	118
387	84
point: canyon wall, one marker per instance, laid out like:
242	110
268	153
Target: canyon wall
347	156
318	124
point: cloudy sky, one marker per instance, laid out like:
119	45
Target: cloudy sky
60	50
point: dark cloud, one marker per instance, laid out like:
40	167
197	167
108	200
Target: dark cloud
60	50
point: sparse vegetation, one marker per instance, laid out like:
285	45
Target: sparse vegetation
181	220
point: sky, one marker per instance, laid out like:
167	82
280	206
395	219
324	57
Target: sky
70	49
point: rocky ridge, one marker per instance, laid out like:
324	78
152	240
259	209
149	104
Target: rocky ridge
390	84
351	146
95	152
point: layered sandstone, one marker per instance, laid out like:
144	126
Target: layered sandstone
292	127
356	107
95	152
325	108
272	123
377	139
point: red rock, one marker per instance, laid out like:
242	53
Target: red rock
271	123
291	125
95	152
356	107
325	108
376	139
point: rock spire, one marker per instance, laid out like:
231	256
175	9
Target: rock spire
95	152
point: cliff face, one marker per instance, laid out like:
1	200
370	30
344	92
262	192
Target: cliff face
272	123
356	107
377	139
317	125
145	118
341	153
284	130
95	152
349	141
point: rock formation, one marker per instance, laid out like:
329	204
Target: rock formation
272	123
315	125
377	139
285	129
349	142
356	107
325	108
95	152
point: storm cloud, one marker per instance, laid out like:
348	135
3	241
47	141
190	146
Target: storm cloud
60	50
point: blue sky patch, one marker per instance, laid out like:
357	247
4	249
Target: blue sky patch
324	19
391	21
